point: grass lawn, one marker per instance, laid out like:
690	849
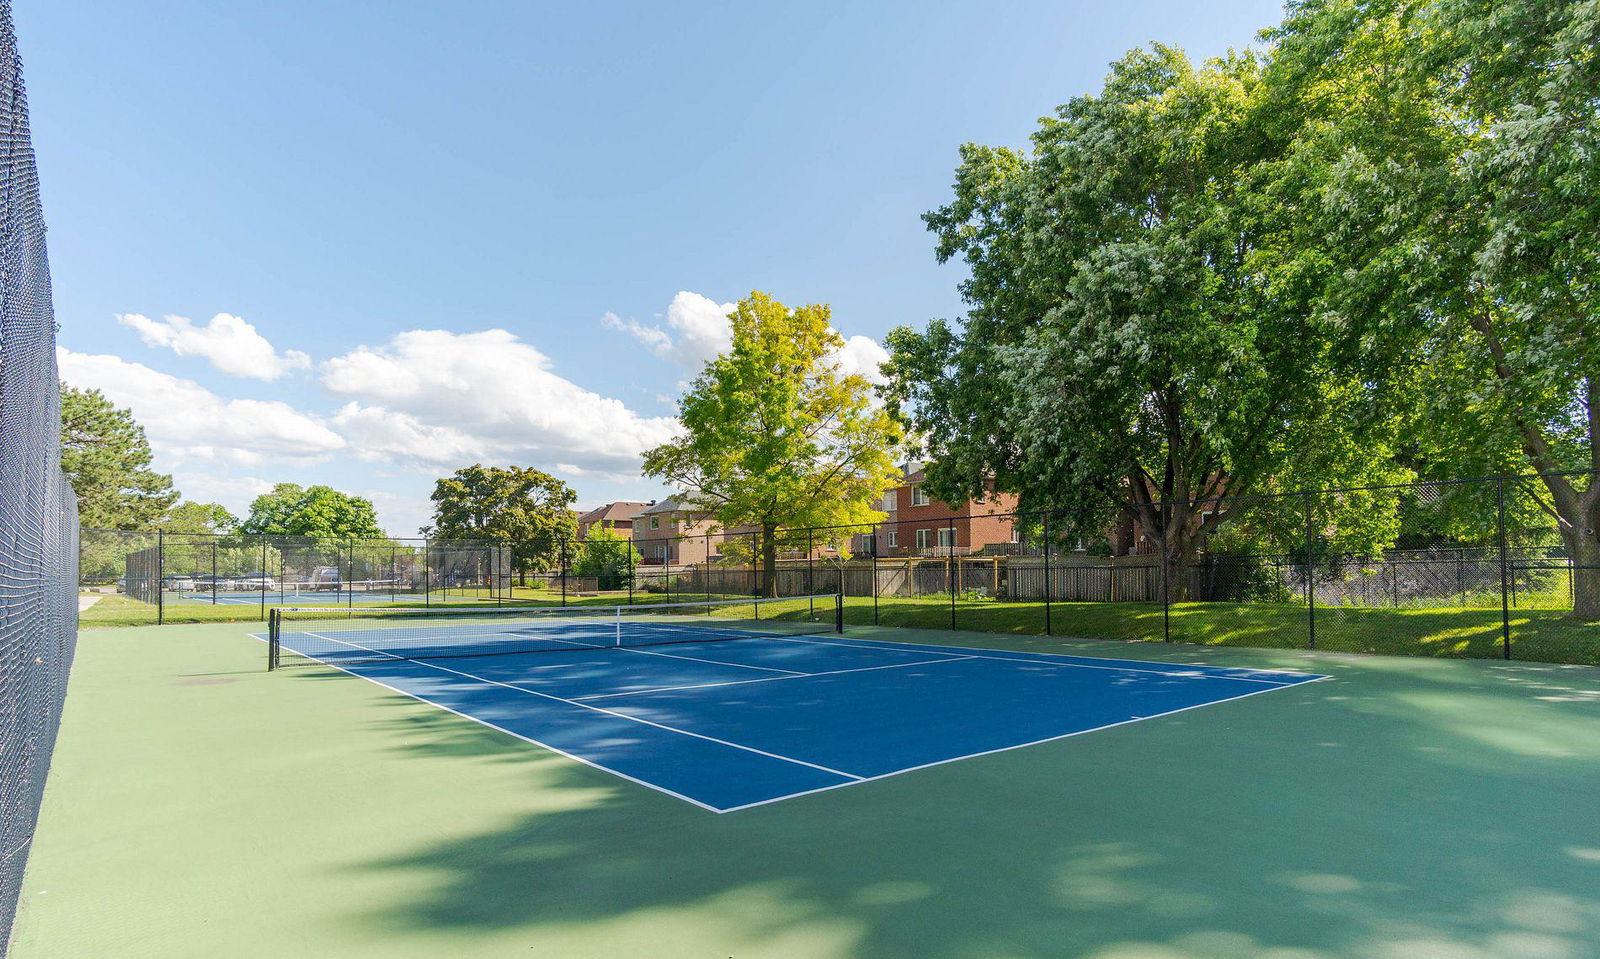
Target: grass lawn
1538	635
1409	807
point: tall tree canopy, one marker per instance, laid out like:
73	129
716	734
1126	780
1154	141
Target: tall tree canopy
188	517
106	457
518	506
775	435
1442	172
315	511
1124	349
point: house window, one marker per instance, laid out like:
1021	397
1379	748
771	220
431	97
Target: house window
890	502
947	537
924	537
918	497
869	544
894	538
1016	534
655	522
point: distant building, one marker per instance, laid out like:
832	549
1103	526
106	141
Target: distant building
670	534
617	517
919	525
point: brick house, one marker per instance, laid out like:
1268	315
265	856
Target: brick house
669	534
919	525
617	517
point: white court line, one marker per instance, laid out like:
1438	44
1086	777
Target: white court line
853	779
527	739
1310	677
1003	749
598	709
772	679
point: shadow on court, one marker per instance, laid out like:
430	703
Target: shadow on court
1407	808
1394	811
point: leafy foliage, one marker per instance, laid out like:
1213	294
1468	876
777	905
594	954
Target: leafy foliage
316	511
521	507
607	556
1124	348
189	517
106	457
1442	172
776	436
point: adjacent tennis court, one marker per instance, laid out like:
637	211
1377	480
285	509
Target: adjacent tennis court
726	708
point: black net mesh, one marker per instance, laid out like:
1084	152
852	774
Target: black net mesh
38	513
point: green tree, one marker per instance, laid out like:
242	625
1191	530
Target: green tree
1442	172
320	512
188	517
523	508
607	556
776	436
107	459
1124	348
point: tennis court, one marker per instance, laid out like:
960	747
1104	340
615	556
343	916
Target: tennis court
727	708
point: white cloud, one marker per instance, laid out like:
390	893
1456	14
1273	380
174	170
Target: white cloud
233	492
698	330
863	355
432	398
185	421
230	343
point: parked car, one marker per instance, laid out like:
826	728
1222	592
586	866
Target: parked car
178	583
256	582
212	584
325	577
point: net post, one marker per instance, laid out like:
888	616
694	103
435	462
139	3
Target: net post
838	612
274	637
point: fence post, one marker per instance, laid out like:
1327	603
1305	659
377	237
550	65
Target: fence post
1505	582
161	577
1311	590
874	572
951	574
811	572
264	577
214	583
1045	524
561	557
1166	575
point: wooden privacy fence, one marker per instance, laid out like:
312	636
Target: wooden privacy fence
1017	578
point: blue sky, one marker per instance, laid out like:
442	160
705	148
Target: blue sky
363	243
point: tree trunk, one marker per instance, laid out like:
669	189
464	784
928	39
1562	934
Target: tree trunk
769	561
1584	548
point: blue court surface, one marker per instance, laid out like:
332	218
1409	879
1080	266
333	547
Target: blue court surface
730	725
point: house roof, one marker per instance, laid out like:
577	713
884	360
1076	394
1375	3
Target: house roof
622	509
668	505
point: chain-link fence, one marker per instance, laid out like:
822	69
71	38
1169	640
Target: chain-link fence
38	513
1479	568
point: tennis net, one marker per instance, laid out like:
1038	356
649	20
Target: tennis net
340	637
